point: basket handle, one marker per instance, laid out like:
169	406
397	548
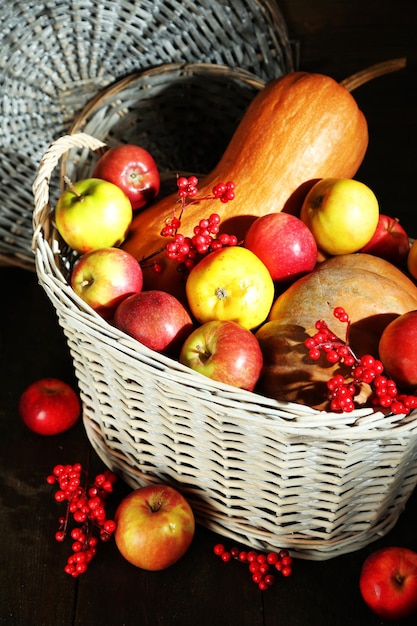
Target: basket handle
40	187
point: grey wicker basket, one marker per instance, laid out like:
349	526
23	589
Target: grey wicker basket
55	56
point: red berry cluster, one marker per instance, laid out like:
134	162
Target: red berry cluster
186	250
86	504
261	565
365	369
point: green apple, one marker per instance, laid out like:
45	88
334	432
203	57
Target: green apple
342	214
92	214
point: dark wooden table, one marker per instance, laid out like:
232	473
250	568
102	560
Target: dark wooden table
337	38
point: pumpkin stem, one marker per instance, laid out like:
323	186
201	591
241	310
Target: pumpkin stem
379	69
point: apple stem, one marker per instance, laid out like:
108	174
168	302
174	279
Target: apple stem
394	223
155	506
203	354
71	185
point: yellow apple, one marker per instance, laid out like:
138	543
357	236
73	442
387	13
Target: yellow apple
342	214
412	259
92	214
230	284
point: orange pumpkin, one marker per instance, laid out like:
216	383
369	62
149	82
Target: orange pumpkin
372	291
299	128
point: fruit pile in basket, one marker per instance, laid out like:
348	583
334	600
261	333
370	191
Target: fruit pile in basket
237	275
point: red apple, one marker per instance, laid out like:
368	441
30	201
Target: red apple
49	406
285	245
104	277
133	169
398	348
389	241
156	319
224	351
388	582
154	527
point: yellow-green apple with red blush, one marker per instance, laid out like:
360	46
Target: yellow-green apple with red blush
230	284
398	349
93	213
104	277
342	214
389	241
388	582
154	527
224	351
133	169
49	406
155	318
284	244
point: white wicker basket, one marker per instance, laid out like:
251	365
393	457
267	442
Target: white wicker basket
264	473
55	56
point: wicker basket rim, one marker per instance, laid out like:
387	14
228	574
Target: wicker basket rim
166	69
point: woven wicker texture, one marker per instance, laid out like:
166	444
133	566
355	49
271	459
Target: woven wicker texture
264	473
55	56
171	111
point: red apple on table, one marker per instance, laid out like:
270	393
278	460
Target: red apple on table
388	582
93	213
398	349
49	406
389	241
225	351
155	318
154	527
104	277
133	169
285	245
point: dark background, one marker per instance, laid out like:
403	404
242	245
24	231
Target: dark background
342	38
334	37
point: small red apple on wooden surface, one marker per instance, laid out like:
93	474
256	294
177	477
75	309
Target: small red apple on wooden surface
154	527
104	277
284	244
388	582
49	406
156	319
389	241
224	351
398	349
133	169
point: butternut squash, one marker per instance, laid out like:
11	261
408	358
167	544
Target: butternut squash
299	128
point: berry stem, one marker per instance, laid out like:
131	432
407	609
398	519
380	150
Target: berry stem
186	251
